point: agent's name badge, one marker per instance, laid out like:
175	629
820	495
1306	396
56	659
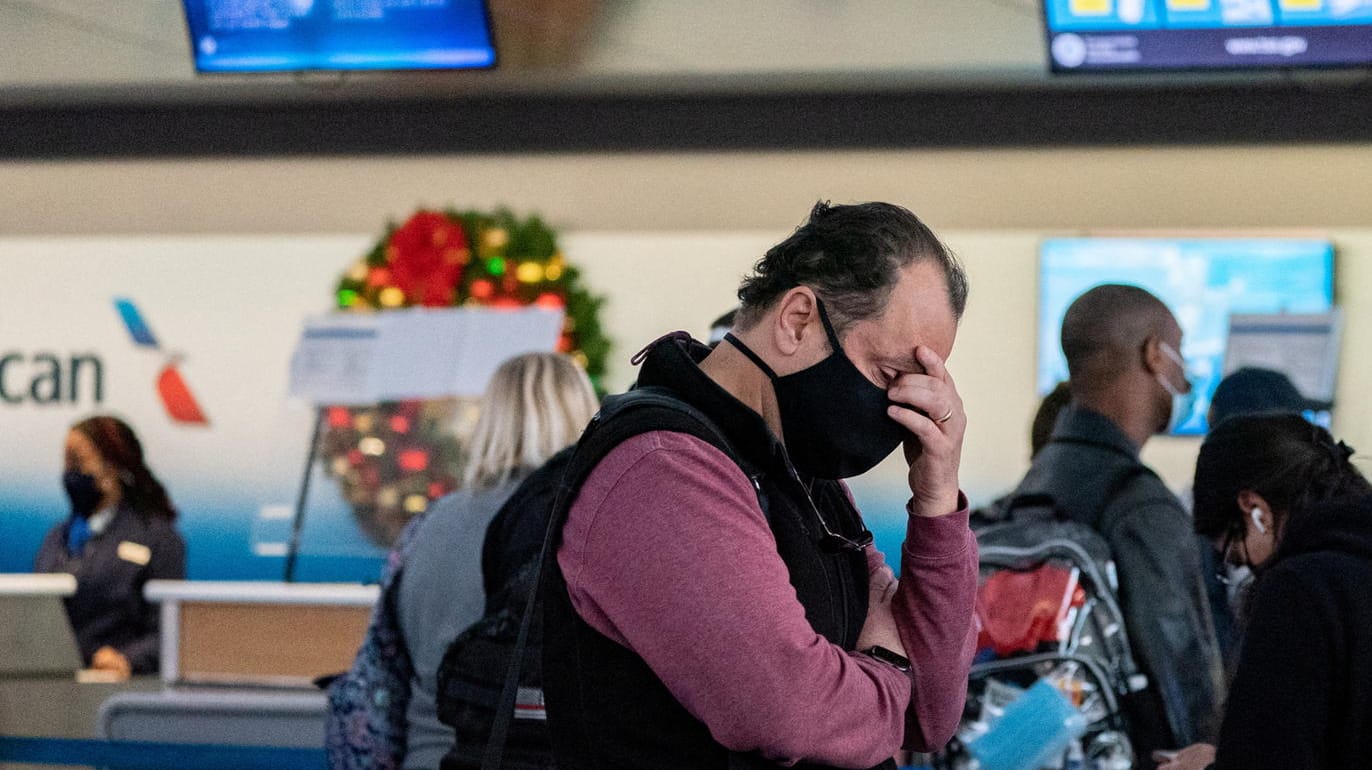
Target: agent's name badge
135	552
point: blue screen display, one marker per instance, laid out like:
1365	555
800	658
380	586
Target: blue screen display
1202	280
290	35
1094	35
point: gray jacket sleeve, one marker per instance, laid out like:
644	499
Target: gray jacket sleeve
1168	617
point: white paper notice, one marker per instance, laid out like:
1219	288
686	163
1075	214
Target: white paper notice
492	336
332	363
418	353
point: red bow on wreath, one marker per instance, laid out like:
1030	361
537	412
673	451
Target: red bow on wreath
426	257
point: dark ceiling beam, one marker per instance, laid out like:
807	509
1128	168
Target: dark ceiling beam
738	120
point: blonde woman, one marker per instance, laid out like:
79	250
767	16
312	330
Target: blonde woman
535	405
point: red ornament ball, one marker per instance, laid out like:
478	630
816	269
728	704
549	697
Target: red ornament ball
413	460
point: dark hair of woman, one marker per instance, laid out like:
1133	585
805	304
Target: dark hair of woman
1293	464
120	447
1046	418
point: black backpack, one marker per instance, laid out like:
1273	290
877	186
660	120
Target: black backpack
1026	533
490	683
472	674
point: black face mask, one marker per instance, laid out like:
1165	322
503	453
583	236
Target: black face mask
84	493
834	419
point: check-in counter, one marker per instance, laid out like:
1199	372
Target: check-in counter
258	633
35	637
40	695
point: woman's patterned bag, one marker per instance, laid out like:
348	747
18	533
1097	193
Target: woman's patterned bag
366	724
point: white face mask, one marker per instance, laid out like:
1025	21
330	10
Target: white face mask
1183	400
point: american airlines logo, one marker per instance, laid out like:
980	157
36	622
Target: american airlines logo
172	389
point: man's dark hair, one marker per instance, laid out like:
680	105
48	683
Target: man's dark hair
1254	390
1104	327
851	256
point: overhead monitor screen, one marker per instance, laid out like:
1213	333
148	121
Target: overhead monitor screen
1203	280
292	35
1104	35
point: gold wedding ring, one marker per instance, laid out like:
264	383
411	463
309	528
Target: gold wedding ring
946	417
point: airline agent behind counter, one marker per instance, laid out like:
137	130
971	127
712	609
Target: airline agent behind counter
120	535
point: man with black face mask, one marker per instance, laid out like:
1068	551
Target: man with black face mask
716	600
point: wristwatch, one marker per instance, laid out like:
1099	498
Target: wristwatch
899	662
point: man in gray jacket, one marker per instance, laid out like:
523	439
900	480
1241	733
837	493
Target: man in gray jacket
1123	355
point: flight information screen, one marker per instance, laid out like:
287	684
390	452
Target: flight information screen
289	35
1102	35
1205	281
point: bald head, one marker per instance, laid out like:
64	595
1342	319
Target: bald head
1105	330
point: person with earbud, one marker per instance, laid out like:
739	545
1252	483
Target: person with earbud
120	534
1248	390
1281	496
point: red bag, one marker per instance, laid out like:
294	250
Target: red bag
1019	611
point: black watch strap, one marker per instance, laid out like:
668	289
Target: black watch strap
896	660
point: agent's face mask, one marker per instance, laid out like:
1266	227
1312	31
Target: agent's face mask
1183	398
83	492
833	418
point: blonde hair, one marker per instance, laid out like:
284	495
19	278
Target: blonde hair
535	405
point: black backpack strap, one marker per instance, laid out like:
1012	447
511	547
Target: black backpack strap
621	417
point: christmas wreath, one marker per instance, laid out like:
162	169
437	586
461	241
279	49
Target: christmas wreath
392	459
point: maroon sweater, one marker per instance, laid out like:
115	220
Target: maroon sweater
666	552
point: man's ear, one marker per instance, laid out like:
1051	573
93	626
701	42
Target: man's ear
796	317
1153	359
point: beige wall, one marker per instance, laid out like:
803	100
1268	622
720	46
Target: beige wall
979	189
667	235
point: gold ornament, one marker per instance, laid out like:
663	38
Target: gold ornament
358	272
416	504
495	238
529	272
391	297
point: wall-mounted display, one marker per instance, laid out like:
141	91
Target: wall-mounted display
1203	280
1105	35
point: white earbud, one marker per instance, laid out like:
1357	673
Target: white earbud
1256	515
